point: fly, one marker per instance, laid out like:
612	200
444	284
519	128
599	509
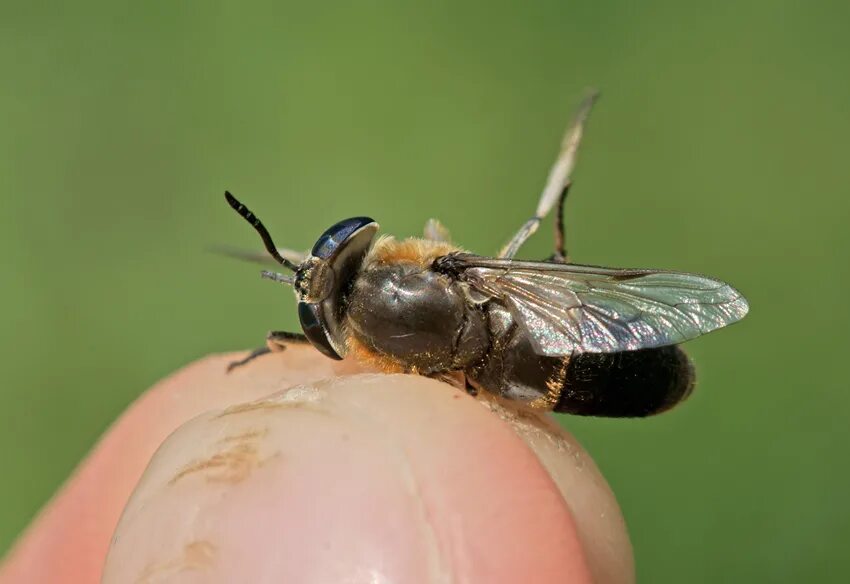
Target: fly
552	334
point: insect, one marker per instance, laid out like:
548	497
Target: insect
550	334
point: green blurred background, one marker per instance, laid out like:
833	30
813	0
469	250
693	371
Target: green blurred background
720	146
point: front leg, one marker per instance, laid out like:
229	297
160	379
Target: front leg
276	342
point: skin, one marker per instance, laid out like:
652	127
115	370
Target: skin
349	476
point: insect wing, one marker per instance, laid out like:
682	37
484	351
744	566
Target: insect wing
258	257
570	308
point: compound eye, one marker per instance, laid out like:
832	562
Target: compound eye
312	325
323	281
329	242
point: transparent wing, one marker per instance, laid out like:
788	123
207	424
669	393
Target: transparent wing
570	308
436	231
258	257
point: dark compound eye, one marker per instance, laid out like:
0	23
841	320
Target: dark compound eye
322	282
311	324
331	239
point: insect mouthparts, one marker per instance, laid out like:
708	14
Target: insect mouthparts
278	277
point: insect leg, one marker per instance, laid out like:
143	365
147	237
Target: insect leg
559	178
276	341
560	254
454	378
251	356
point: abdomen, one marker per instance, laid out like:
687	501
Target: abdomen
626	384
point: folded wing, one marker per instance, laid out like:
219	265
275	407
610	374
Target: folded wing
570	308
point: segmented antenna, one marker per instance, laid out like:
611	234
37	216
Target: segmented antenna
246	213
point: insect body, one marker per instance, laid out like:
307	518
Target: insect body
551	334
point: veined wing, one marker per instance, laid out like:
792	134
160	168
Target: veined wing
570	308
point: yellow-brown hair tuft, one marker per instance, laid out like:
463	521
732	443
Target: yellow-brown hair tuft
363	354
414	250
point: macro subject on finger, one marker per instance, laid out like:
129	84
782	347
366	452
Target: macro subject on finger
506	474
550	335
311	483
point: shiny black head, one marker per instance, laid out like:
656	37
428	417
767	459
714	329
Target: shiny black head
321	281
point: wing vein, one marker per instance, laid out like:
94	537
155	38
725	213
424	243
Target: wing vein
567	308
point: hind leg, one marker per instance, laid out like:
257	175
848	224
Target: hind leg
558	182
560	254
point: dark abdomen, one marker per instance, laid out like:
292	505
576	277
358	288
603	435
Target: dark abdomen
627	384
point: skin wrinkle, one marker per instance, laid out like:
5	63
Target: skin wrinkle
519	428
536	429
362	418
265	376
245	436
197	555
232	465
263	405
436	560
235	463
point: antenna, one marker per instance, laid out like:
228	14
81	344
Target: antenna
277	277
246	213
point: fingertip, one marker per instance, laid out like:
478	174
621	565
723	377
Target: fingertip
73	530
478	493
397	477
598	518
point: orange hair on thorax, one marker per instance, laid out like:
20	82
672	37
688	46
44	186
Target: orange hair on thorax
388	250
371	358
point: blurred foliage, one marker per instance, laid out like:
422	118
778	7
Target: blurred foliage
719	146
